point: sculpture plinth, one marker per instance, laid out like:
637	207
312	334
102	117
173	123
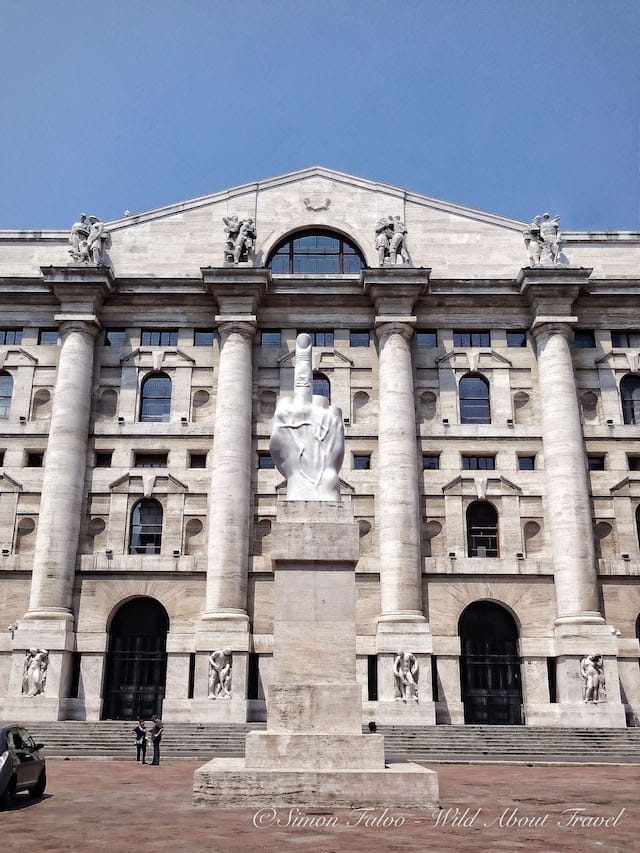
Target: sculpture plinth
313	752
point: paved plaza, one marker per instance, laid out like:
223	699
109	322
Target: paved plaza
121	806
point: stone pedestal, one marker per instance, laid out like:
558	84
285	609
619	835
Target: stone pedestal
313	752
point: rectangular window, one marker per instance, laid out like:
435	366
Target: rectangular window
634	463
35	459
270	338
517	339
10	336
359	339
430	462
74	687
103	458
472	339
625	340
479	463
265	462
585	339
1	458
318	339
197	460
361	461
203	337
551	677
48	337
150	460
526	463
435	693
427	338
596	461
115	338
159	338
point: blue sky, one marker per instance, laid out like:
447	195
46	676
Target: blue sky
507	106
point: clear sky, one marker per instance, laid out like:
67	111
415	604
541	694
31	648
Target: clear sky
507	106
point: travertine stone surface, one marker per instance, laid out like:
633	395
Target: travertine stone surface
61	501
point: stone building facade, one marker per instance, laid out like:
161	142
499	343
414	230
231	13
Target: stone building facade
491	412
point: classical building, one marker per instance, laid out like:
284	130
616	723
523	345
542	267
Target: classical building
490	391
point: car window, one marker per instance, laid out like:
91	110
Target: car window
14	740
27	740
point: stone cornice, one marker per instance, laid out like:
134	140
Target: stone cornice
237	289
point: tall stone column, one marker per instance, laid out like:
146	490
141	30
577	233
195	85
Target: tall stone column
48	623
225	623
64	472
579	628
398	492
566	481
402	625
230	490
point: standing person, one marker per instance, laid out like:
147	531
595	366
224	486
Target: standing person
140	732
156	737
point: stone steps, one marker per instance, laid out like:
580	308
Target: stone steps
113	738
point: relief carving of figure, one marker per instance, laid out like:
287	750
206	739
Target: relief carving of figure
542	240
406	672
391	241
220	675
240	240
307	441
592	672
86	241
34	678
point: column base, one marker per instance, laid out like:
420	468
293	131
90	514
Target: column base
228	783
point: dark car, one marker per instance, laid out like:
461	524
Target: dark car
22	767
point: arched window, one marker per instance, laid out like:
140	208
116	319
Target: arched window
315	251
474	400
482	530
630	393
6	391
155	398
146	527
321	385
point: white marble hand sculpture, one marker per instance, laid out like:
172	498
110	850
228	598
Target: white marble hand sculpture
307	441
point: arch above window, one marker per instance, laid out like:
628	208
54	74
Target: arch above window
473	391
630	394
155	398
315	251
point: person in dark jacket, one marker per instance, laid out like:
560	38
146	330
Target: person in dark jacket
140	732
156	737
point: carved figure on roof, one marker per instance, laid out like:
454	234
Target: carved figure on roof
391	241
86	240
240	240
543	242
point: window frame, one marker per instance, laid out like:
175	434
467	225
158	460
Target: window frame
173	335
161	459
165	416
361	461
433	456
286	251
481	461
486	531
474	402
476	338
14	334
7	385
426	338
155	535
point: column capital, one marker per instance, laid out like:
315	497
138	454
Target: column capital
237	290
389	324
245	325
551	291
395	289
543	326
81	289
87	323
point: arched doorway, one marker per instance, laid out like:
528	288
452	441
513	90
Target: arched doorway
490	665
136	668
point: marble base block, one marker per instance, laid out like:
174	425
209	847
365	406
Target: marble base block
228	783
265	751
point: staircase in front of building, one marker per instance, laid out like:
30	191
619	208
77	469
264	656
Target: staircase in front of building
114	739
